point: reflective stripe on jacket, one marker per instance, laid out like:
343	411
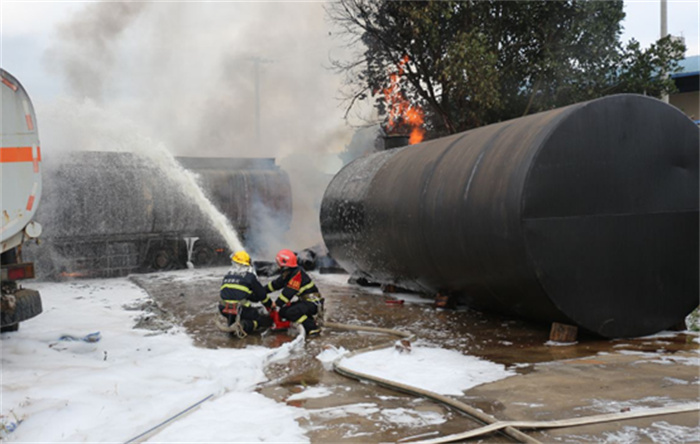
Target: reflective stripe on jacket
293	282
239	286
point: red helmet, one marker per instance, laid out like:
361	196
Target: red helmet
286	258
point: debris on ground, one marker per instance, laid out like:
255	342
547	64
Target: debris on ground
90	337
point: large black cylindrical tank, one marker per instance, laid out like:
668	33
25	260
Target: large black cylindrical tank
586	214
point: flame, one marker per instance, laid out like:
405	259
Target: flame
400	112
73	274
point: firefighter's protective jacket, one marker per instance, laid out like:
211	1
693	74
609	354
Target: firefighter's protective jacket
242	285
294	282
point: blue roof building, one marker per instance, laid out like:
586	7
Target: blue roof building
687	99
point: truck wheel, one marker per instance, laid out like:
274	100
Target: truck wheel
13	327
203	256
161	259
27	305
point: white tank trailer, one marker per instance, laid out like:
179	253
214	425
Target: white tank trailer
584	215
109	214
20	170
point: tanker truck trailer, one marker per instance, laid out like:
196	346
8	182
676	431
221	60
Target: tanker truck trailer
20	170
109	214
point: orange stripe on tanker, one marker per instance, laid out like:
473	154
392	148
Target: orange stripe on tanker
36	155
30	203
32	197
28	115
9	84
19	154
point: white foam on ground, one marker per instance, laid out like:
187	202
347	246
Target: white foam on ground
438	370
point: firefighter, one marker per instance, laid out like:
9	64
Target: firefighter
239	289
299	301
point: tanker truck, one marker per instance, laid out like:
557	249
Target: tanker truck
110	214
20	162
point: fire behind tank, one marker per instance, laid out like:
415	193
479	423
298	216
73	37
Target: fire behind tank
586	215
110	214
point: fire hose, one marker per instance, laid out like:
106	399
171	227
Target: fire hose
460	406
570	422
141	437
509	428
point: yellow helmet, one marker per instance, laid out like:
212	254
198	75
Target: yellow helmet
241	257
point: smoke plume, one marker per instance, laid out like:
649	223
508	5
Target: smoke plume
85	52
212	80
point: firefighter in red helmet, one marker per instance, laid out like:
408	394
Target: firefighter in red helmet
299	301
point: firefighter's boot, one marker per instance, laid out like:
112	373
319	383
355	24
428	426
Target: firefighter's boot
310	327
265	322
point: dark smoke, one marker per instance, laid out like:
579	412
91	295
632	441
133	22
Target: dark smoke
184	74
84	51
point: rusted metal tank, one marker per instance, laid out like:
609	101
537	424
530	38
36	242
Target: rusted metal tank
116	213
586	215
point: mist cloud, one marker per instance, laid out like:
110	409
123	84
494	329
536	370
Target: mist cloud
185	74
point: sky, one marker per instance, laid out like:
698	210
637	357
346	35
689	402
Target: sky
642	22
30	30
99	379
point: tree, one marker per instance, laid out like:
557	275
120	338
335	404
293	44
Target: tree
472	63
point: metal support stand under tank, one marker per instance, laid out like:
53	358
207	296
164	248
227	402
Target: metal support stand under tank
563	332
189	241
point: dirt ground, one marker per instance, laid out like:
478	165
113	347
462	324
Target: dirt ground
553	381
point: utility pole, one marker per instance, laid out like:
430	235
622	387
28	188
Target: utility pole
664	33
256	69
256	61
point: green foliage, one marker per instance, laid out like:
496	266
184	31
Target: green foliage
693	320
473	63
646	71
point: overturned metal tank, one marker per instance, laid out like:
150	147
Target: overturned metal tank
585	215
109	213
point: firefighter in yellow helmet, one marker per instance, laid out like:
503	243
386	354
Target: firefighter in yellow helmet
239	290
